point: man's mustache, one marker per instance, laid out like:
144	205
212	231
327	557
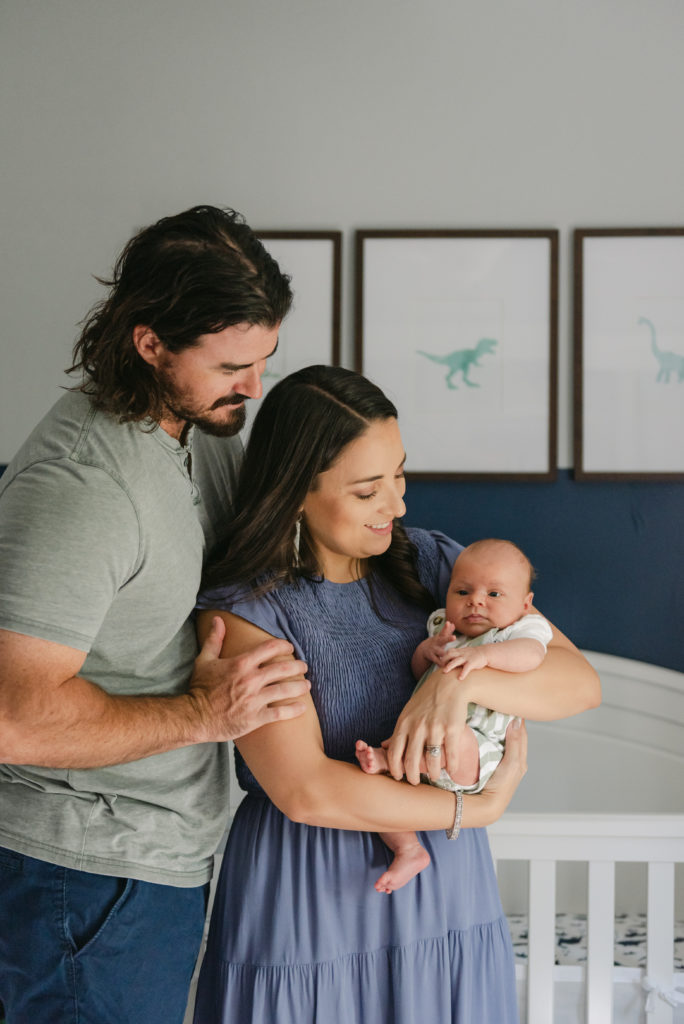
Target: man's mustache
230	400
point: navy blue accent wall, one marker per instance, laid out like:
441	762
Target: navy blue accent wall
610	556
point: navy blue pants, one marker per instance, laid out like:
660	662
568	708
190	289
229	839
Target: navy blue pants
78	948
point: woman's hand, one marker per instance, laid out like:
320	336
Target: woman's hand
435	716
510	771
564	684
483	809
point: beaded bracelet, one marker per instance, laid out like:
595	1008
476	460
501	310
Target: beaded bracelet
452	833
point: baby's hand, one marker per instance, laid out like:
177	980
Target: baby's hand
433	647
468	658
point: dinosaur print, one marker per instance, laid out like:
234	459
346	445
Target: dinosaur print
669	362
461	361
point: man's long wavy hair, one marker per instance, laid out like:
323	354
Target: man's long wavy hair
302	427
192	274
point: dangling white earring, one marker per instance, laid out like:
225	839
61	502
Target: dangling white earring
297	535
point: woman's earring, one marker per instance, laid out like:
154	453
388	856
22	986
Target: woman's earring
297	535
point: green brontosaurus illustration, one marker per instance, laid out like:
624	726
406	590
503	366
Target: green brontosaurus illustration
461	360
668	362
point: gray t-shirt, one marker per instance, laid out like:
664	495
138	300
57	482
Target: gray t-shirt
103	531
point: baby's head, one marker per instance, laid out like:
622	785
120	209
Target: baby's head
489	588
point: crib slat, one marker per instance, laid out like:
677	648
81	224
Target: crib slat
600	940
660	939
541	942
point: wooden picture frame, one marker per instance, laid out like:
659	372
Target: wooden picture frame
629	354
461	329
310	332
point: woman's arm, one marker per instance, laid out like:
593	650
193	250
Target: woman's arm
564	684
288	760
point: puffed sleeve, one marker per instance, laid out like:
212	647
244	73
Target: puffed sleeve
436	556
264	611
448	550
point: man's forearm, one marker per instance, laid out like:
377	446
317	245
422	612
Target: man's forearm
52	717
79	725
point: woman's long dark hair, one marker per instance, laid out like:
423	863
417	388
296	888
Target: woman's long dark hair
301	428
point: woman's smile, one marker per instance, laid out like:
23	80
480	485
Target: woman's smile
382	528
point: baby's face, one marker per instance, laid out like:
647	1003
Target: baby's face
488	590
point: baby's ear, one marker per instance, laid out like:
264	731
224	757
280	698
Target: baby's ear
527	603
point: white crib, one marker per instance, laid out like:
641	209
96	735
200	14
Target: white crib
616	775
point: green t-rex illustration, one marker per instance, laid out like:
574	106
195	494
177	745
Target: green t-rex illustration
461	360
669	362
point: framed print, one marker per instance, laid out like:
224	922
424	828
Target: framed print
460	329
310	332
629	354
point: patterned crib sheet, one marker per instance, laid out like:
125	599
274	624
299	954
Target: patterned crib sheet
571	939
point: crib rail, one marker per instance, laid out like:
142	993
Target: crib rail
600	840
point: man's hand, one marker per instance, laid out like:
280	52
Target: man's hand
435	716
235	696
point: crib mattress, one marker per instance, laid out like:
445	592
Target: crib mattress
571	940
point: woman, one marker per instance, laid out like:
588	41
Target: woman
316	555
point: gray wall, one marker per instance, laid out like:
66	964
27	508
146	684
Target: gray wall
315	114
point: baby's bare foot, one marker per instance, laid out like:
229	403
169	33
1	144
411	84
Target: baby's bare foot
372	759
406	865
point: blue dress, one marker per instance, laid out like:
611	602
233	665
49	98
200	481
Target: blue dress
298	933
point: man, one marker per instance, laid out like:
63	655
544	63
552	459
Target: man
113	769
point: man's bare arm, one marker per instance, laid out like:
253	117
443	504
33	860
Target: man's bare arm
52	717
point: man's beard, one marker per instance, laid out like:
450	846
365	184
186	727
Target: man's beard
174	404
227	428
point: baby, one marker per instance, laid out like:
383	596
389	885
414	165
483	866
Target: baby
485	623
